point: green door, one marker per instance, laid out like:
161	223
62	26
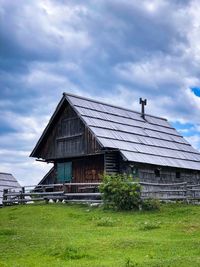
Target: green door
64	172
68	171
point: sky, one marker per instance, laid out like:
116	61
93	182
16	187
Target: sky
110	50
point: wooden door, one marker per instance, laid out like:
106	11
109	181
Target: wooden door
64	172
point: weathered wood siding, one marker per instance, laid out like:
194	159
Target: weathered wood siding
111	162
88	169
84	170
146	173
69	137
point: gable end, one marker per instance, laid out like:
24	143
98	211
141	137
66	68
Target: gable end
66	135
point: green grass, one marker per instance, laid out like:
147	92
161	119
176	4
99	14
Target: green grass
79	236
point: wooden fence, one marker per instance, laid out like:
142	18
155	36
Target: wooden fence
89	192
70	192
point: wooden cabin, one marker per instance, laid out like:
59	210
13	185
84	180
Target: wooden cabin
86	138
7	181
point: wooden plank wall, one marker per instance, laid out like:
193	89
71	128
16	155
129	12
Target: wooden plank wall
146	173
84	170
69	137
88	169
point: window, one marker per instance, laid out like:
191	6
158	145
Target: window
178	174
70	137
157	172
70	127
135	172
70	146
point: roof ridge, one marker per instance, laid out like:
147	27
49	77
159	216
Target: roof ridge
110	105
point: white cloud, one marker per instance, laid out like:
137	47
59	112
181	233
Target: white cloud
191	29
15	147
46	29
154	6
115	51
151	72
27	172
24	124
194	140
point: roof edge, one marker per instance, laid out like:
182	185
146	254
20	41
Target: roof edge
82	119
48	125
110	105
63	99
46	175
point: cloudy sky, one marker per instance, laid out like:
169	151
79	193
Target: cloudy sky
111	50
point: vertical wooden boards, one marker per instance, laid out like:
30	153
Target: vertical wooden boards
68	137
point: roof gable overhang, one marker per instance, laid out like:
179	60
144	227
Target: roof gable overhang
48	127
64	101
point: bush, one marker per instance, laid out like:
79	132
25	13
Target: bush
150	204
120	193
106	221
149	226
129	263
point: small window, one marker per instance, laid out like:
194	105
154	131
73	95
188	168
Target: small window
157	172
133	171
178	175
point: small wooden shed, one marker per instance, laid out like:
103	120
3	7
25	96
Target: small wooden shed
86	138
7	181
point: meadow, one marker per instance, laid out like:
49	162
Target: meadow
79	236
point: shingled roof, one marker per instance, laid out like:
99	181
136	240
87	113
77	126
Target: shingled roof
7	181
151	140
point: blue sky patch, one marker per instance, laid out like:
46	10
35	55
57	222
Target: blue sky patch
196	91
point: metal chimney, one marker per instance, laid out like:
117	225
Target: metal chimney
143	103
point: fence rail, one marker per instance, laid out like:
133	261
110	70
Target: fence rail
89	192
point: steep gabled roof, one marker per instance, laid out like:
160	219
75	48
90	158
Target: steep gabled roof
48	127
152	141
7	180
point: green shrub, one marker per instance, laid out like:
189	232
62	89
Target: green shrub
106	221
150	204
7	232
120	193
67	252
130	263
149	226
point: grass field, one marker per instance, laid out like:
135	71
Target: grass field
71	235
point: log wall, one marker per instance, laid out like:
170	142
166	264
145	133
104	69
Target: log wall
149	173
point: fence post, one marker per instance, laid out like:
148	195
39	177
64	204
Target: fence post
186	193
46	200
22	195
64	188
5	198
193	194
